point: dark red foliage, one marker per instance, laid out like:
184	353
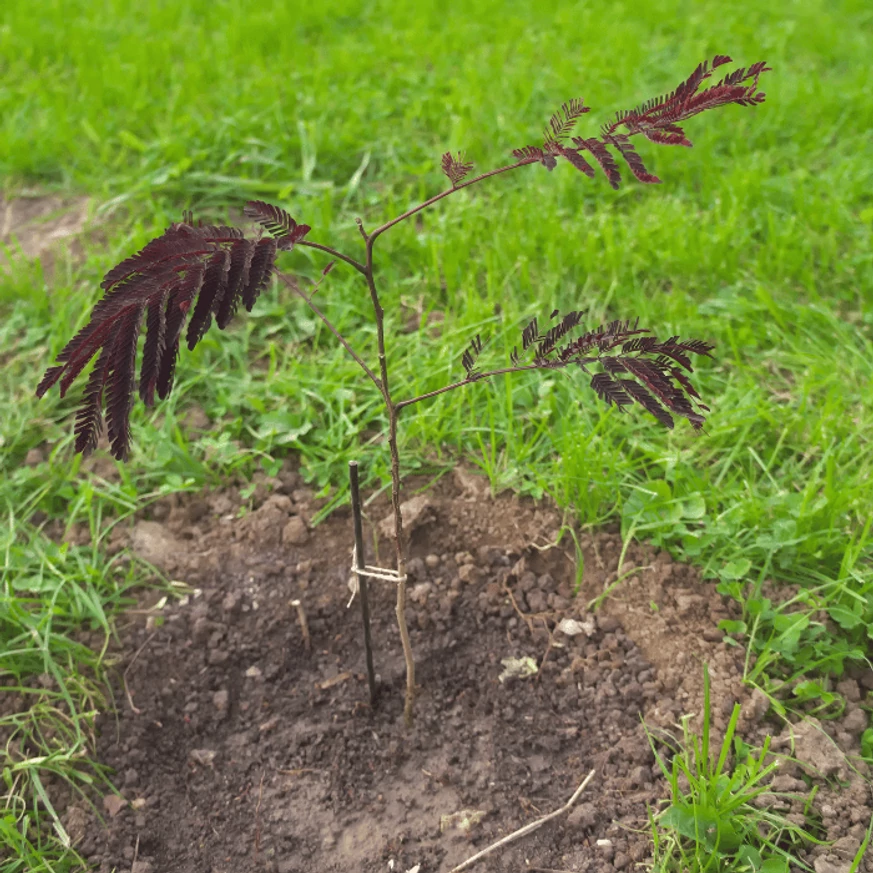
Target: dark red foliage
663	114
644	365
189	273
455	167
563	121
658	120
533	154
471	353
277	222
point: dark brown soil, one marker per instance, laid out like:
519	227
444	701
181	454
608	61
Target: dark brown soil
237	749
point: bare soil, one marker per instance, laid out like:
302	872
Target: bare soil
237	748
40	226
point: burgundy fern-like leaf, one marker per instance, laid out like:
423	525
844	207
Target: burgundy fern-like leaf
634	161
637	368
260	271
608	389
645	399
559	331
189	273
276	220
468	360
241	257
89	418
212	290
563	121
669	134
531	154
602	156
659	118
153	348
529	334
578	161
455	167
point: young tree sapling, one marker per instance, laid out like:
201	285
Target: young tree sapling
199	273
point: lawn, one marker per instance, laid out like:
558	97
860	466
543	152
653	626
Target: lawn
759	240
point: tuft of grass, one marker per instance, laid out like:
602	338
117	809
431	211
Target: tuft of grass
712	821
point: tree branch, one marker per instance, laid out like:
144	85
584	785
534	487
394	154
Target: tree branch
437	197
482	376
350	261
297	290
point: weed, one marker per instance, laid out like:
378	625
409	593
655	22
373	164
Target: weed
720	816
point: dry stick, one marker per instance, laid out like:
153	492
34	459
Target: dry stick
304	624
258	816
139	651
524	831
362	580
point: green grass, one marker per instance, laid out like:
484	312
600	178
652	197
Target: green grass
720	815
760	239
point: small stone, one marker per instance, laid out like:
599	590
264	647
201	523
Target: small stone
114	804
232	603
689	602
152	542
419	594
220	700
302	495
462	822
415	568
201	629
639	776
814	750
573	628
295	533
468	573
583	816
855	721
143	865
608	623
536	601
850	689
202	756
827	864
432	561
416	511
606	848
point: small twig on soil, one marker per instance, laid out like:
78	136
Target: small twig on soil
522	615
139	651
548	646
304	624
545	870
258	816
524	831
